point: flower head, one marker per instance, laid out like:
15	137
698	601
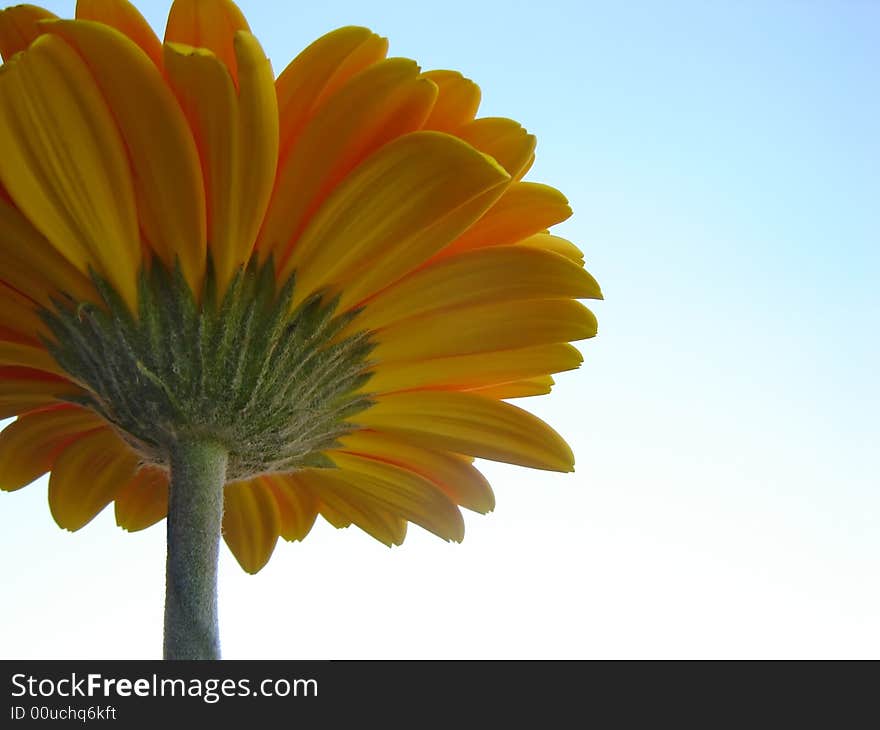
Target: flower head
338	276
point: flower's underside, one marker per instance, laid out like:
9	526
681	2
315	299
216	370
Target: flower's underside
370	195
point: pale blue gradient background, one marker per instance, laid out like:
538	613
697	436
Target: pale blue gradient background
722	161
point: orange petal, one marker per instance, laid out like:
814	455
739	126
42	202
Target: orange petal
401	492
381	103
30	264
453	474
336	517
143	501
466	372
504	139
341	506
497	274
470	424
251	523
258	124
65	165
319	72
126	18
403	204
30	445
87	476
19	26
29	355
164	160
237	136
207	96
458	99
297	506
24	389
210	24
561	246
484	328
525	209
520	389
18	314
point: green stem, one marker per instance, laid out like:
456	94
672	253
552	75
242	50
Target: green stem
195	513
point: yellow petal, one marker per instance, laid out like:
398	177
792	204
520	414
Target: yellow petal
319	72
86	477
23	389
504	139
470	424
19	26
379	104
457	101
251	523
465	372
561	246
401	492
503	273
143	501
403	204
525	209
297	506
30	264
30	445
164	160
123	16
64	164
484	328
453	474
341	507
520	389
210	24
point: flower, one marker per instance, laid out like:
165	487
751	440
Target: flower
339	276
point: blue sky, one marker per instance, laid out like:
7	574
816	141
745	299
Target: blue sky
723	163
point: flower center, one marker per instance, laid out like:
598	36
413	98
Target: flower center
274	387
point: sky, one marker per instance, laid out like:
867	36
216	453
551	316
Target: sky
723	163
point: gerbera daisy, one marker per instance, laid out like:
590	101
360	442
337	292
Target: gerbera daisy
242	302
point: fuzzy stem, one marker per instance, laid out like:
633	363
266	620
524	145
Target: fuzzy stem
195	513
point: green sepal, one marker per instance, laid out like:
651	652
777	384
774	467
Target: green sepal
275	387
